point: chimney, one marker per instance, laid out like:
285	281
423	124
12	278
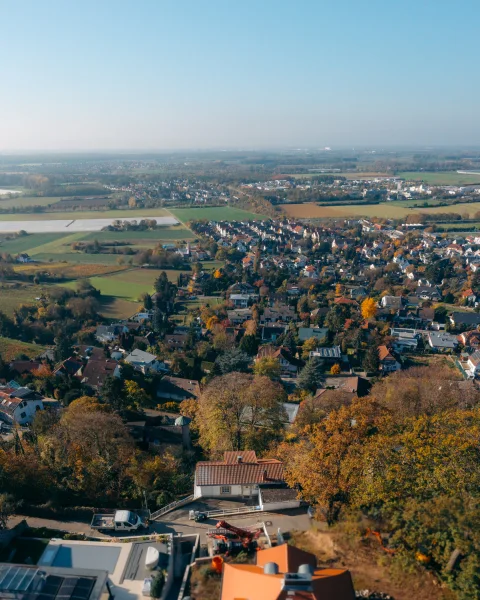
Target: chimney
265	473
239	459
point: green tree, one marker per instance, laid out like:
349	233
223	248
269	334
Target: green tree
371	361
249	344
233	360
311	375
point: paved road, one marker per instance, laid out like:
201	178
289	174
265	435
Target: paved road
177	522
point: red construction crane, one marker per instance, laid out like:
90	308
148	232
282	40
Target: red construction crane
243	534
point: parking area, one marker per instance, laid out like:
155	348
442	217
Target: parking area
178	521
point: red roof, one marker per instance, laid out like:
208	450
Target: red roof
239	468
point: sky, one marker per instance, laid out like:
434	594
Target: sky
201	74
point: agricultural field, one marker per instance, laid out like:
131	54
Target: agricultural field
128	284
12	296
216	213
67	270
385	210
27	201
81	258
10	349
117	308
440	178
347	175
26	243
147	238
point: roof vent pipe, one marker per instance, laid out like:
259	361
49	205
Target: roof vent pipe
270	568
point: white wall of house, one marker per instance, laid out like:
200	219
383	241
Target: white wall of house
226	491
267	506
26	410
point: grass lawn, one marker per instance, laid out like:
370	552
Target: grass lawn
129	284
440	178
215	213
26	243
87	214
10	349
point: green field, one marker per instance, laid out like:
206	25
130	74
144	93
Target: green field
10	349
11	298
215	213
391	210
117	308
82	258
440	178
59	246
129	284
25	243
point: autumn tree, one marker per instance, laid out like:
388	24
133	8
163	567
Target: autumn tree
7	509
336	369
309	345
239	412
326	463
268	366
135	396
369	308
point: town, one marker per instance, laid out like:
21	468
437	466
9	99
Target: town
195	419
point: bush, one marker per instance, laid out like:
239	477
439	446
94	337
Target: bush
157	585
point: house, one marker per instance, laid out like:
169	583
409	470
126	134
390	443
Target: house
333	354
387	362
70	366
473	365
358	292
272	333
428	292
283	572
442	341
240	300
392	302
20	367
19	405
96	371
470	339
178	389
310	272
289	365
278	313
145	362
356	386
469	295
468	320
176	341
108	333
238	475
239	316
319	333
24	258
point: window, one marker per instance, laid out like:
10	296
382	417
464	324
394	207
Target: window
23	415
225	489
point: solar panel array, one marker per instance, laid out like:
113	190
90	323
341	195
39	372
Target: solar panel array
29	583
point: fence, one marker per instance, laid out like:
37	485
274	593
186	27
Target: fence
172	506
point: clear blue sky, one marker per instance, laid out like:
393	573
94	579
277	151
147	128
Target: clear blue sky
160	74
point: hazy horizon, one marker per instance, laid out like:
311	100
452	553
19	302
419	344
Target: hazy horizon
155	76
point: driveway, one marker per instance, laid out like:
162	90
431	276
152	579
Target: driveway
177	522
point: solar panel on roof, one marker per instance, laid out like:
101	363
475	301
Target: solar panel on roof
33	584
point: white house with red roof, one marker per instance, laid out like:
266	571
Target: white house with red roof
238	475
